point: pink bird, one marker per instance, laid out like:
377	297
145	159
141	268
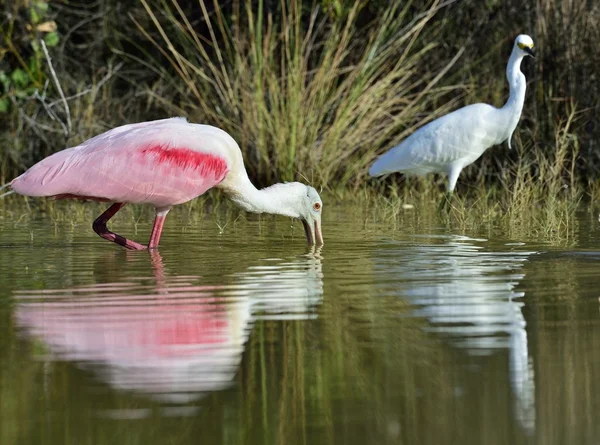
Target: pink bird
163	163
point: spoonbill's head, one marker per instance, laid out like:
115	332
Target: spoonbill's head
524	44
301	201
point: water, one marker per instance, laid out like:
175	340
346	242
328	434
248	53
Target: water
241	334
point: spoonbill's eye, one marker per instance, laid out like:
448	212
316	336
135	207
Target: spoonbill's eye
317	206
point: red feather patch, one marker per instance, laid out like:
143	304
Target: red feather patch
184	158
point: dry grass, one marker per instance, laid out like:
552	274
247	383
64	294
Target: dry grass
303	94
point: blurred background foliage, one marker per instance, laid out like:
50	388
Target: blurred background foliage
311	90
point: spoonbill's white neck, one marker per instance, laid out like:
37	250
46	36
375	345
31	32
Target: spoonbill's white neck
279	199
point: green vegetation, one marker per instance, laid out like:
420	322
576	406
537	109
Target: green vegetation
313	92
26	74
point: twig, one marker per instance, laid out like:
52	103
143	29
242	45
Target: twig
34	125
93	88
58	87
42	100
7	193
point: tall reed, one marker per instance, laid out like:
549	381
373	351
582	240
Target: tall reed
304	94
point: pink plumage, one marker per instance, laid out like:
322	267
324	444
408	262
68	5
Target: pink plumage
163	163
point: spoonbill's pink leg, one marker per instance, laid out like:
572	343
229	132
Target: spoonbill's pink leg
159	221
99	227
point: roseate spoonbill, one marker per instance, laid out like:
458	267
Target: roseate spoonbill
451	142
164	163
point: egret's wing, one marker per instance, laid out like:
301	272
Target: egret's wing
462	134
162	162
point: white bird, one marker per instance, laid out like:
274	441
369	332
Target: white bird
451	142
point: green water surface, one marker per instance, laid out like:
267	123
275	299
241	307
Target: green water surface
240	334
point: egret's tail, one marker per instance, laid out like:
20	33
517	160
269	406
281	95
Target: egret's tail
377	169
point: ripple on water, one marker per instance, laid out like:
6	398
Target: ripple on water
393	329
467	294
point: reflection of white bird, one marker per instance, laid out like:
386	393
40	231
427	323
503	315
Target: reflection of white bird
453	141
467	294
284	290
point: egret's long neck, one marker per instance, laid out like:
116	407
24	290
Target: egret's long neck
275	199
517	84
511	111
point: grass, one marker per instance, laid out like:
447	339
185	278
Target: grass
536	197
305	96
409	212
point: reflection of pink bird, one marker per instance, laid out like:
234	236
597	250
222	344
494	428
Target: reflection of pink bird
172	346
163	163
173	340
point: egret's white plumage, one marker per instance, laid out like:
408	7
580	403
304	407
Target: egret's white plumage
450	143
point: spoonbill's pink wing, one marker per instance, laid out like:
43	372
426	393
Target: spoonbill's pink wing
164	162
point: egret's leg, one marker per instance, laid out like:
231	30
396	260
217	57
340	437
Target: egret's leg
453	173
453	177
99	227
446	203
159	221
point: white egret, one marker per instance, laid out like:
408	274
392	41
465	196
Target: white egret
451	142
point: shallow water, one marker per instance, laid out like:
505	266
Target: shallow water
242	334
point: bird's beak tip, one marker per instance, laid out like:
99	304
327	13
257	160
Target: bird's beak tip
318	233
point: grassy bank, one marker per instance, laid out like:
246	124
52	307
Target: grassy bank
311	92
556	223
